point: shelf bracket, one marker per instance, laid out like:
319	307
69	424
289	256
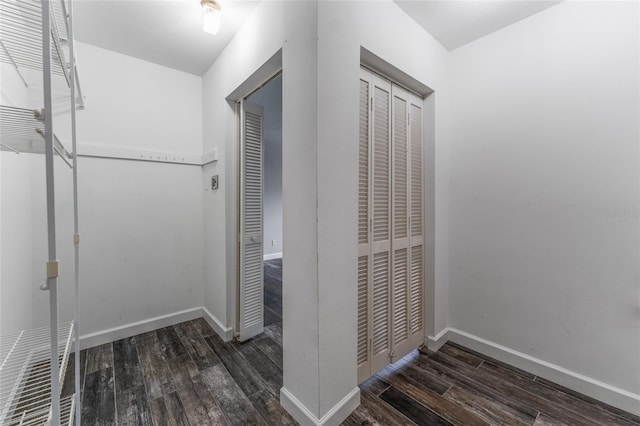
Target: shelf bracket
52	269
15	66
38	114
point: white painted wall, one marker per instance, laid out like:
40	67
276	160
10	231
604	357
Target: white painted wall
386	32
291	28
342	31
321	59
544	146
16	278
260	38
140	223
270	97
16	275
138	104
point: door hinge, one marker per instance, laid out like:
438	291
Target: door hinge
371	103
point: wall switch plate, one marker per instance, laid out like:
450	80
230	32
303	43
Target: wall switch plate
214	182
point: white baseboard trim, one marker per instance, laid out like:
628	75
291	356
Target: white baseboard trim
128	330
272	256
226	333
335	416
604	392
435	343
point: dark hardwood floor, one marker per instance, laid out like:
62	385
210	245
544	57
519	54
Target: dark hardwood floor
186	375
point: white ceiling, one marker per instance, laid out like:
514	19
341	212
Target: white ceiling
166	32
457	22
169	33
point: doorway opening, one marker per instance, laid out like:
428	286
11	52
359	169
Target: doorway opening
260	248
269	97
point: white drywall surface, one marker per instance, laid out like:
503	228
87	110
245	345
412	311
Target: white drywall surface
319	193
545	176
16	274
141	223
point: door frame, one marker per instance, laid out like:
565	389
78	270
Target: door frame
270	70
240	109
386	71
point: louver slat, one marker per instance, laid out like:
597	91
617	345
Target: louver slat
253	174
416	298
381	185
400	168
253	286
416	290
363	166
363	308
416	171
399	317
251	303
380	304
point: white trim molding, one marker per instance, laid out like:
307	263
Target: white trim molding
593	388
128	330
226	333
272	256
335	416
435	342
128	153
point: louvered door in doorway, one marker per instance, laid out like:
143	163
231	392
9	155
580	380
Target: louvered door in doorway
251	318
390	237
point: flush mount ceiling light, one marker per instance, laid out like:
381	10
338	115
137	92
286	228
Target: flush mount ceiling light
210	16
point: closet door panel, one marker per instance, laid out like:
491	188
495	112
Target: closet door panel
416	172
364	366
364	247
400	225
416	290
390	236
251	248
381	223
416	295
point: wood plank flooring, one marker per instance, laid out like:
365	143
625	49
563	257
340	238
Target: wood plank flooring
186	375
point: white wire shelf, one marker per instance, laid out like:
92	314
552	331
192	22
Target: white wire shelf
22	131
21	35
25	376
21	39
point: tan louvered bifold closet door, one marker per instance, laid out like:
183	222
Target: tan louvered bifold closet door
374	339
364	249
390	284
416	222
251	233
407	284
380	223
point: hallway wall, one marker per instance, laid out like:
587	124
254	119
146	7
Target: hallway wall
544	190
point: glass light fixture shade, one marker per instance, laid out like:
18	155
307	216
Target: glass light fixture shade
210	16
